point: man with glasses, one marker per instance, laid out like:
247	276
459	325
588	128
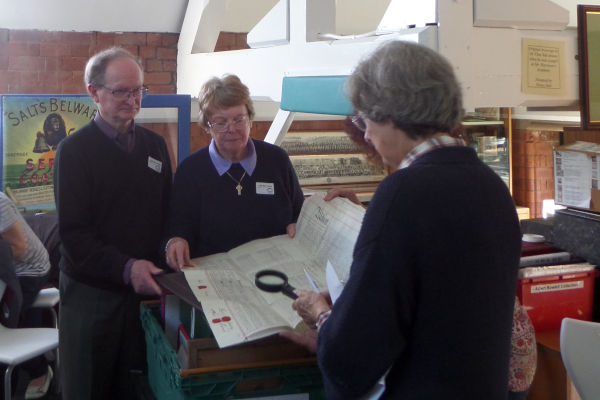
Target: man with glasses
112	184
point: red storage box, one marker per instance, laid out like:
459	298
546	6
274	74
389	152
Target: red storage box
550	298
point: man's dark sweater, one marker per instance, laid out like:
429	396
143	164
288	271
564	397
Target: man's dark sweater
111	204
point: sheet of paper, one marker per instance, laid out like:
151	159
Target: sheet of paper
232	306
573	179
334	285
223	283
330	230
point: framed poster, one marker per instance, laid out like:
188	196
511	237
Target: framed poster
588	32
295	143
33	125
335	169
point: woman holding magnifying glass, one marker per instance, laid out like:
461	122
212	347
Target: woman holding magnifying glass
233	191
428	304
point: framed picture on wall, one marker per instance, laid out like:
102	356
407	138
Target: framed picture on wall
30	130
588	32
31	126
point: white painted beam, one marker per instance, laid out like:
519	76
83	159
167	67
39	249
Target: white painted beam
279	127
273	29
201	26
519	14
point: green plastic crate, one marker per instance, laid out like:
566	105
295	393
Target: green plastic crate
167	382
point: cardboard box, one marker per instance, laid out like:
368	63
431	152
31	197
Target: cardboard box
576	169
550	298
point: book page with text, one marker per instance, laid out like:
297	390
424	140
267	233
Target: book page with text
329	229
236	310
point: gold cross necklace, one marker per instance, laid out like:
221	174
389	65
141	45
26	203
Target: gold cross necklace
239	183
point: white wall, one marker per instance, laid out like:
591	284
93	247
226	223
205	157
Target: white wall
93	15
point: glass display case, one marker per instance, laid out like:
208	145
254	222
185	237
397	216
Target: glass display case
491	141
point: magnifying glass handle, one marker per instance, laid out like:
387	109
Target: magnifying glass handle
288	290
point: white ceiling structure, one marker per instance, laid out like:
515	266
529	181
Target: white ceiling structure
354	16
481	38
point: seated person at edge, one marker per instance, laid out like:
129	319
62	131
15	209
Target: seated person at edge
236	189
29	264
428	304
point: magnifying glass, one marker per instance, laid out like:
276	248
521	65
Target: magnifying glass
274	281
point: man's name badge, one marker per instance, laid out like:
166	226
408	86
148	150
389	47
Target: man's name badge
265	188
154	164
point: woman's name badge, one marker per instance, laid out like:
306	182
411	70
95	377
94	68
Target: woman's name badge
265	188
154	164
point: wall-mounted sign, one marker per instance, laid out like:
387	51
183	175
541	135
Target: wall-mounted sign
543	67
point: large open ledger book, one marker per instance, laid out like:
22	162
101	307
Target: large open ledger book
223	283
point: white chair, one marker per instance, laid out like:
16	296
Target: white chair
19	345
580	352
48	298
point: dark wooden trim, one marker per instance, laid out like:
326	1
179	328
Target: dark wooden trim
584	72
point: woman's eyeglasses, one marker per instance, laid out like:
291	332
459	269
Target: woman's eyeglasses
222	126
359	122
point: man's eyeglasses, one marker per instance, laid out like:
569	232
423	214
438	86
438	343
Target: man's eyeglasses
359	122
123	94
222	126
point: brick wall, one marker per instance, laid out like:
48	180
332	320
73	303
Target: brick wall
231	41
533	169
43	62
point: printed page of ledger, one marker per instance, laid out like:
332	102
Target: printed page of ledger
236	310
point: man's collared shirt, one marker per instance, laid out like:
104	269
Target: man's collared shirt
125	141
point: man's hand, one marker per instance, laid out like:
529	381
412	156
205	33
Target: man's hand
142	272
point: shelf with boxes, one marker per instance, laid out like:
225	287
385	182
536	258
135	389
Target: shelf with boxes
567	282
